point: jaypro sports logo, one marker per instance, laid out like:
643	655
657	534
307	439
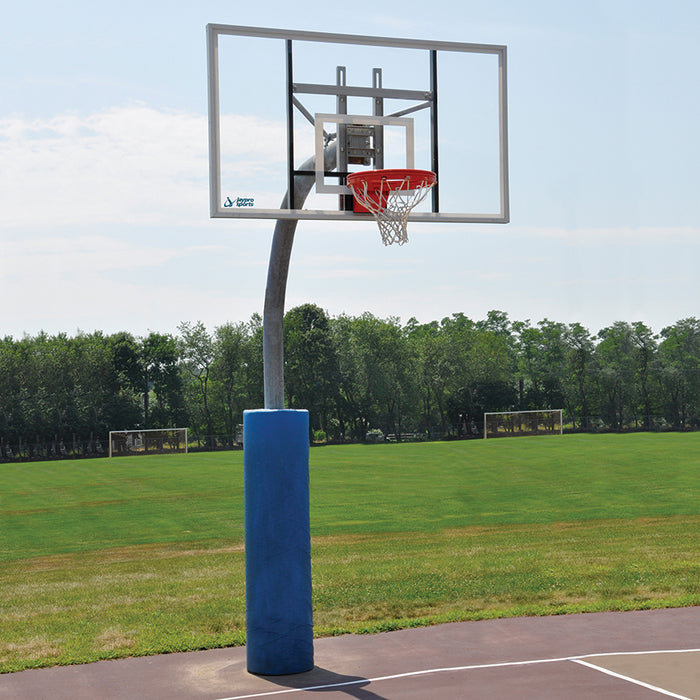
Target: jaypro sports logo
239	202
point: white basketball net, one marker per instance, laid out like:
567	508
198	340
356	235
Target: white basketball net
391	206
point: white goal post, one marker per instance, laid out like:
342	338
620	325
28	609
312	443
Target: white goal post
517	423
151	441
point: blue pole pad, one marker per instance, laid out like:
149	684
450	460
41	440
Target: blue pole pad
279	621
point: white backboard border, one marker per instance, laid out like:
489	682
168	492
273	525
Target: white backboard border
216	199
320	120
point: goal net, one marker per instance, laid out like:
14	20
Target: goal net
141	442
517	423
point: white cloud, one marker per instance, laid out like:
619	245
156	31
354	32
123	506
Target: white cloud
65	282
92	210
82	252
609	234
130	165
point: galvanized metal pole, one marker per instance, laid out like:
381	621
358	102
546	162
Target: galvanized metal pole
275	291
279	611
273	316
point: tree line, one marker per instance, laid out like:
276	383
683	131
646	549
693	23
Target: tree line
354	374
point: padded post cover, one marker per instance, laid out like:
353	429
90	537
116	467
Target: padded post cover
279	619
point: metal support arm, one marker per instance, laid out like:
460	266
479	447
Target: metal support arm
277	272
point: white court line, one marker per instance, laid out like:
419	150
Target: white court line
632	680
636	653
531	662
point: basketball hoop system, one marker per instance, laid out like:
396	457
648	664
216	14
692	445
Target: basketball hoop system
390	196
350	181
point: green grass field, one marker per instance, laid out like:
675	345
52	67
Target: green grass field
141	555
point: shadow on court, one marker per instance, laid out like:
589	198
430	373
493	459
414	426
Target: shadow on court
321	680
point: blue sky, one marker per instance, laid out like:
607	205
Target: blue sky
103	171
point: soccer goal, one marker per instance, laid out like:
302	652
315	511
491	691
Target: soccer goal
517	423
142	442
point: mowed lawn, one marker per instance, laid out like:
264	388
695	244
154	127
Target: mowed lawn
141	555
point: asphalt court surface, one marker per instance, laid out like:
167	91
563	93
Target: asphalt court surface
632	656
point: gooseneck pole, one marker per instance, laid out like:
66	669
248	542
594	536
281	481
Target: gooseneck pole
279	616
277	272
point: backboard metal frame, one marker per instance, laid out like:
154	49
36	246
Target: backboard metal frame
216	197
